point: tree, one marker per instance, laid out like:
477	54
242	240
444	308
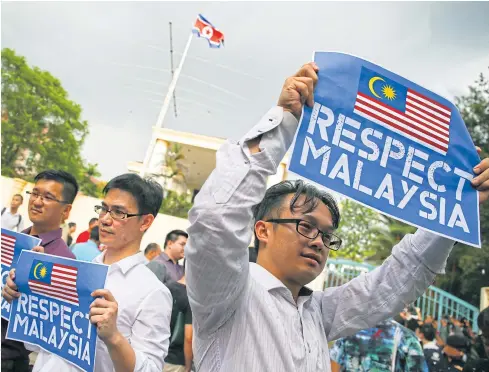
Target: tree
387	235
41	126
467	267
356	230
175	204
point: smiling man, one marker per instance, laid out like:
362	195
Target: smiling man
50	202
261	317
132	314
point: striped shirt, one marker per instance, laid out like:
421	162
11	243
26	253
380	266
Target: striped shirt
244	318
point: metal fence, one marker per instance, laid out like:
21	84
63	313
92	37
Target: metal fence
435	301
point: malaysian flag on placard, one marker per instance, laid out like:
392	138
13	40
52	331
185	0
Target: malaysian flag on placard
8	245
203	28
403	110
54	280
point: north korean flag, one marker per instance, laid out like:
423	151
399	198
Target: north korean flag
203	28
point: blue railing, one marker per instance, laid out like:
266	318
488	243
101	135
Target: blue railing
435	301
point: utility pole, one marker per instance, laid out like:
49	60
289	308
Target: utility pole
171	64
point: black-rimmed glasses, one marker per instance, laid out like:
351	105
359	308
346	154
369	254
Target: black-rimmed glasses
308	230
48	198
114	213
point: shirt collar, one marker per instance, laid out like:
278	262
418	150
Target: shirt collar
165	257
269	281
125	264
46	237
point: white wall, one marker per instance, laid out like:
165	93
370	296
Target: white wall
82	211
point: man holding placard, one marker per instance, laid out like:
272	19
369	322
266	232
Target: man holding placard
50	201
132	314
261	317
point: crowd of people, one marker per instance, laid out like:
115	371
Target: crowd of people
219	311
410	343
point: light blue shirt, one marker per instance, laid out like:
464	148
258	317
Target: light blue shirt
86	251
244	318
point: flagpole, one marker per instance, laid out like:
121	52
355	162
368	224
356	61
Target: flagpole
164	108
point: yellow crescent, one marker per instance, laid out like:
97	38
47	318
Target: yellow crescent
371	85
35	270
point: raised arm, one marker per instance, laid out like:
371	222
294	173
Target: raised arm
400	280
221	219
385	291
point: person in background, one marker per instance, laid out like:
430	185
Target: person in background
480	349
132	313
89	250
180	353
387	347
71	230
445	328
50	202
174	251
432	352
152	251
11	218
455	351
85	235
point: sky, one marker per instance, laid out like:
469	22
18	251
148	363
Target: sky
113	58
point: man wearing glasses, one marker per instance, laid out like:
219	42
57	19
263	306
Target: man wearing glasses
261	317
50	202
132	314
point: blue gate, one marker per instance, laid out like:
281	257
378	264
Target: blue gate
435	301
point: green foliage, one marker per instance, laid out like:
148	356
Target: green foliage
357	231
468	267
387	235
41	126
176	205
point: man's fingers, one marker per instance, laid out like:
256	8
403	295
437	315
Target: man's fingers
97	318
484	186
310	89
38	249
10	282
101	303
482	166
308	70
97	311
9	294
483	174
301	88
105	293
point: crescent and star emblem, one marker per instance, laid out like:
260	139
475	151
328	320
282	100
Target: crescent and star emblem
371	85
35	270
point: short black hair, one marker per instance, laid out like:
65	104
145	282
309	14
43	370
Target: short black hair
428	331
483	319
70	186
173	235
151	247
147	192
275	195
92	220
412	324
94	234
71	224
20	196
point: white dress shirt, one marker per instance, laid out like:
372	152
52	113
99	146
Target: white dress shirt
144	312
13	222
244	318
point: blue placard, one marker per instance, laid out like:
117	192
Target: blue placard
377	138
53	309
12	244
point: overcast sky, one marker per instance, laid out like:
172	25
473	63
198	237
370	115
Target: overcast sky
113	58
